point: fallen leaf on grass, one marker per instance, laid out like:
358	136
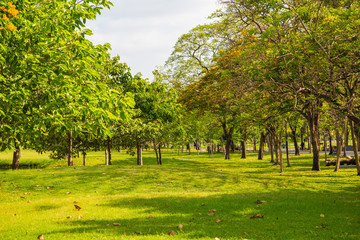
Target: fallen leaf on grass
75	202
150	216
68	217
68	192
218	220
211	214
41	237
38	189
322	215
180	226
260	202
116	224
80	216
212	210
172	232
22	197
37	185
203	204
217	238
257	216
27	193
321	226
77	207
48	188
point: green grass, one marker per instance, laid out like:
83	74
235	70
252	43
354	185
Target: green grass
149	201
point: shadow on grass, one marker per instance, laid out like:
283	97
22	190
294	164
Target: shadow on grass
229	216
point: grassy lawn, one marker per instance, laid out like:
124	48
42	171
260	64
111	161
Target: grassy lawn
210	197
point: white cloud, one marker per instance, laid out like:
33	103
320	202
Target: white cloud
143	32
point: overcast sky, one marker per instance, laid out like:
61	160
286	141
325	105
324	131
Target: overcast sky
143	32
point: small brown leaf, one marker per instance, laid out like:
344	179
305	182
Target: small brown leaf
257	216
321	226
37	185
48	188
22	197
217	238
80	216
180	226
218	220
172	232
68	217
38	189
41	237
150	216
116	224
75	202
203	204
68	192
77	207
200	213
27	193
212	210
211	214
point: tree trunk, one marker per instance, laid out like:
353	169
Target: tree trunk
309	141
287	145
70	157
243	149
262	145
84	158
228	138
277	148
189	148
313	121
339	144
227	147
106	157
109	150
197	146
330	145
78	154
139	154
325	146
355	147
160	160
281	161
16	158
296	145
346	139
254	148
156	152
271	148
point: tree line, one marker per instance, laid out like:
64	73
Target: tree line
258	70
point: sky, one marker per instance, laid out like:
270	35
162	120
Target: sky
143	32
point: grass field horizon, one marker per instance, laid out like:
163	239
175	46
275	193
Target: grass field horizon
208	198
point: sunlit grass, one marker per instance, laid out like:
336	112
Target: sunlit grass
149	201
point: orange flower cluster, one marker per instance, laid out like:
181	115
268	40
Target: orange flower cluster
11	12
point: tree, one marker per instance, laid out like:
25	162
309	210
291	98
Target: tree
45	59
